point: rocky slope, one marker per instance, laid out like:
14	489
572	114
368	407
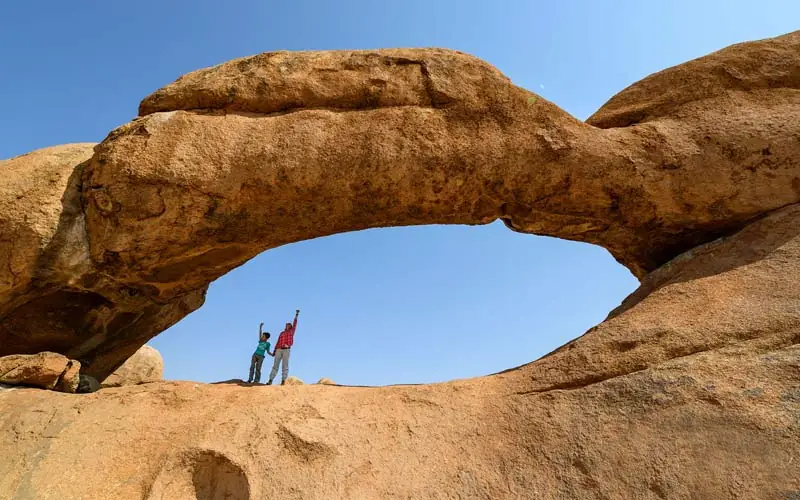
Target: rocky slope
690	391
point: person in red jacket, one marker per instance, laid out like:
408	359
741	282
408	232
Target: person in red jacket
282	348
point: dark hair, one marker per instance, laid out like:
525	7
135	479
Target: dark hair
266	334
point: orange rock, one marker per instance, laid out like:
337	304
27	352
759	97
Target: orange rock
47	370
691	385
146	365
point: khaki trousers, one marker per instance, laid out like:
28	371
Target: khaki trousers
281	356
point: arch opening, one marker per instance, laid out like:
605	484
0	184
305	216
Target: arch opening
389	306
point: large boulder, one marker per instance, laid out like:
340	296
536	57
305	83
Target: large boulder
230	161
47	370
690	390
146	365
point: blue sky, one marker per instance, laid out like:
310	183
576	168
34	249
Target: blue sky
403	305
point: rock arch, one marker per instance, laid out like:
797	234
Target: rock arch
230	161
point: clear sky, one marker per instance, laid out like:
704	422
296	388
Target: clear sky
403	305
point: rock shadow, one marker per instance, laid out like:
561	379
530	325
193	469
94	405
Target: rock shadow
201	475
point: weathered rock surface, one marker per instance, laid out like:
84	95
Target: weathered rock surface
146	365
326	381
263	151
43	248
53	297
690	390
47	370
744	67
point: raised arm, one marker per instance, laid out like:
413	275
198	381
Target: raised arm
260	326
294	325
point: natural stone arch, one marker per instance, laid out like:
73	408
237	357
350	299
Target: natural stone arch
259	152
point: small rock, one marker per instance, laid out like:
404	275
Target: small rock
326	381
292	380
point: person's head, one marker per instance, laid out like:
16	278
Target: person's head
288	325
264	336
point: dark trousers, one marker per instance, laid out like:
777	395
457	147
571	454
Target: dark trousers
255	366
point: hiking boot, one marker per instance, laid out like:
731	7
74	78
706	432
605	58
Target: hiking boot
269	382
283	382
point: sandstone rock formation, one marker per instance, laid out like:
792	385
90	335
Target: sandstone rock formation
255	153
42	249
689	389
47	370
52	296
326	381
146	365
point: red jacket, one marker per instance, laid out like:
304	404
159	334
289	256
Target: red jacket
286	338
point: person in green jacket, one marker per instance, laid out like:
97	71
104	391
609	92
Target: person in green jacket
258	357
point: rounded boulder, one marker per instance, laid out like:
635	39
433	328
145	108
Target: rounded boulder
146	365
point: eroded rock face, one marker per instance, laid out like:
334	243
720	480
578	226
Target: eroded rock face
53	296
146	365
690	386
259	152
44	249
